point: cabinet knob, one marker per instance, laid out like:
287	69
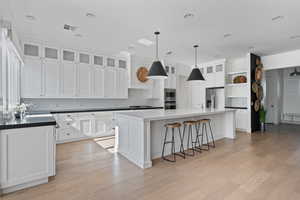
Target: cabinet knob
68	134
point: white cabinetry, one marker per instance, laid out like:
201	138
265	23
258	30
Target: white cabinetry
98	79
27	157
170	82
32	78
56	73
77	126
68	73
122	83
110	82
84	76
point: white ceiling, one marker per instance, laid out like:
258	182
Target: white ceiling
120	23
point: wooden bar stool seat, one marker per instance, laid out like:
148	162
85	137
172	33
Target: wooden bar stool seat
181	152
173	125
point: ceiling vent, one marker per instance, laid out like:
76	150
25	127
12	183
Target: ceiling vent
70	28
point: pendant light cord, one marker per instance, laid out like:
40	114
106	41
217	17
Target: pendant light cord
195	56
195	46
156	46
156	34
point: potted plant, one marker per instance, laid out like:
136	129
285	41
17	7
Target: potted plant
262	118
20	111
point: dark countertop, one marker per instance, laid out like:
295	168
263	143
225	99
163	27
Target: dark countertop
100	109
28	122
40	120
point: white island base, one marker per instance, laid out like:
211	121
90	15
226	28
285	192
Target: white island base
141	133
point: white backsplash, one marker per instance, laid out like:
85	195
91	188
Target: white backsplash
135	97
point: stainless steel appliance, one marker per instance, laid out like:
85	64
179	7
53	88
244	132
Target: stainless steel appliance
170	98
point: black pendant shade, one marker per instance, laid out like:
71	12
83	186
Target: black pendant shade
196	74
157	70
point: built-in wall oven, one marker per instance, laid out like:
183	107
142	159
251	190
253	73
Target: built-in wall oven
170	98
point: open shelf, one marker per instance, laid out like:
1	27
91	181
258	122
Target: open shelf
236	107
238	72
231	96
236	84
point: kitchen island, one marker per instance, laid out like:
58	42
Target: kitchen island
140	134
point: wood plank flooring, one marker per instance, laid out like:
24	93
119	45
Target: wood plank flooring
249	168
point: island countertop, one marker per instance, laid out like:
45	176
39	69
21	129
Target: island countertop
161	114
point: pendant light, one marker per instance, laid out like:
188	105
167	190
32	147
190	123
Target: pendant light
196	74
295	73
157	70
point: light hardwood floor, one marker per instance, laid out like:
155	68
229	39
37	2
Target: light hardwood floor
249	168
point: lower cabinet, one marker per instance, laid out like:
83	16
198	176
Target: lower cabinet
27	157
242	120
78	126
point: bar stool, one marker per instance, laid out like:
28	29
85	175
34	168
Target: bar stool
204	123
172	142
190	140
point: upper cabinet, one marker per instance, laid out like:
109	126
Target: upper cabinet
68	73
213	73
84	76
51	72
51	67
170	82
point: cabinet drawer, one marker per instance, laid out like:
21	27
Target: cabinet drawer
66	134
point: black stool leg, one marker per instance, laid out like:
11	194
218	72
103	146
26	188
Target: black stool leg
197	142
212	136
166	142
202	135
188	142
181	150
173	146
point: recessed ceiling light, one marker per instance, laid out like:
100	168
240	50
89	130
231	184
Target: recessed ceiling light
169	53
226	35
188	15
90	15
279	17
78	35
30	17
145	42
130	47
295	37
251	48
70	27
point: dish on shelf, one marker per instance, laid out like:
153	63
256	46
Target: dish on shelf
240	79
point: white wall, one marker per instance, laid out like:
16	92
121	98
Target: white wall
291	92
281	60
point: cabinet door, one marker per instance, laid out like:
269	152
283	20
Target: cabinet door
68	79
122	83
198	96
219	75
84	80
29	155
210	76
86	127
32	78
98	82
51	78
110	82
